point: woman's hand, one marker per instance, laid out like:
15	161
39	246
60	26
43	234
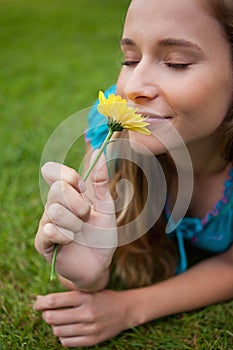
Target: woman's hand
85	319
85	229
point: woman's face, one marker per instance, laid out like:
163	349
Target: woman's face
177	62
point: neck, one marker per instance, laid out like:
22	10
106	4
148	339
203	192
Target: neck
208	169
206	157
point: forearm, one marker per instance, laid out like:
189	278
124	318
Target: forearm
206	283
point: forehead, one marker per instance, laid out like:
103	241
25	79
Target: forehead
189	19
154	9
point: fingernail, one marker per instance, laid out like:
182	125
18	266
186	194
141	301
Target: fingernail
82	185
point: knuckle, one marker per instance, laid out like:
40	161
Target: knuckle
95	330
90	316
53	190
49	230
51	301
48	317
76	294
55	210
51	194
37	242
56	331
84	210
56	189
73	177
42	219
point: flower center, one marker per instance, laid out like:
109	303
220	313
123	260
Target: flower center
114	126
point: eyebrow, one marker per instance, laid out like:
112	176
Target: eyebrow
166	43
179	43
127	42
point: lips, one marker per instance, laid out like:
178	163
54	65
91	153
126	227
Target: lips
152	116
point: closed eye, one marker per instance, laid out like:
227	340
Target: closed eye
178	65
129	63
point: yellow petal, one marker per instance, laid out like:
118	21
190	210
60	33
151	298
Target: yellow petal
140	130
115	108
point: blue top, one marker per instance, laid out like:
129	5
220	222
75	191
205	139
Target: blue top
213	233
97	123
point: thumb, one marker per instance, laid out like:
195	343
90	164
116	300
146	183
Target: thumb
100	183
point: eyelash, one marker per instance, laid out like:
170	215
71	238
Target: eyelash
177	65
170	65
129	63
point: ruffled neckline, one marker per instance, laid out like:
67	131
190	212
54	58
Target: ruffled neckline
189	227
221	205
224	202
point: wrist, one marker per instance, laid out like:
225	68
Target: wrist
136	307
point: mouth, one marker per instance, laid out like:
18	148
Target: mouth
150	117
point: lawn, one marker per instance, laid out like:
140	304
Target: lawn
54	56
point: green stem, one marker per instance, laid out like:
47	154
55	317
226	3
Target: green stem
52	271
104	144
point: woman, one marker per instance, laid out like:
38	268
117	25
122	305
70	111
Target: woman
183	72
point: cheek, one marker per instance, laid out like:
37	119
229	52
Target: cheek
164	137
202	98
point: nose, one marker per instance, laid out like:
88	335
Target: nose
141	84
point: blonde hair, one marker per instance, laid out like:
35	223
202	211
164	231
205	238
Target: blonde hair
153	256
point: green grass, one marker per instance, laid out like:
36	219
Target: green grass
54	56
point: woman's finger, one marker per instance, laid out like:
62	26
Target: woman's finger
66	316
49	234
63	193
73	329
85	340
59	300
52	172
63	217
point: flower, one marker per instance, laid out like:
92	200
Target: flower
120	116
